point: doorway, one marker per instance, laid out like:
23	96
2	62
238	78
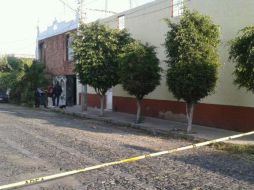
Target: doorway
71	90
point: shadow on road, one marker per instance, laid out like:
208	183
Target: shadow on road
212	161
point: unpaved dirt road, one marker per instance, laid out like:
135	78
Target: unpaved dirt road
35	143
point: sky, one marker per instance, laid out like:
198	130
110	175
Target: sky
19	19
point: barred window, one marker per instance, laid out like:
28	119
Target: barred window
121	22
69	52
177	7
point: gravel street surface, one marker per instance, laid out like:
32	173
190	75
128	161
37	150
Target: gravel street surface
35	143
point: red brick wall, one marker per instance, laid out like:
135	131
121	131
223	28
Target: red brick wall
55	55
236	118
220	116
93	100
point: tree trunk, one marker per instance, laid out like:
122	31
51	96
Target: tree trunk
84	98
189	114
102	105
138	111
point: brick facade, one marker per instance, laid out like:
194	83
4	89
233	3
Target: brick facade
54	55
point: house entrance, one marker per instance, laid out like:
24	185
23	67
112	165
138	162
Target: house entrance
70	90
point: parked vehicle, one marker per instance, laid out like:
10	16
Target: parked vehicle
4	96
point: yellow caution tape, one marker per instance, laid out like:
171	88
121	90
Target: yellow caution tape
133	159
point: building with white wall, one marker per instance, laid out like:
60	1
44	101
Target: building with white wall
229	107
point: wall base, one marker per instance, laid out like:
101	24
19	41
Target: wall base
235	118
93	100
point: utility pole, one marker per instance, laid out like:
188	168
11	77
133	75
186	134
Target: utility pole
84	86
130	4
106	7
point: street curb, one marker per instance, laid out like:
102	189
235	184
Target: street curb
178	134
147	129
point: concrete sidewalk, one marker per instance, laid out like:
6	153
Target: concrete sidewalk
157	126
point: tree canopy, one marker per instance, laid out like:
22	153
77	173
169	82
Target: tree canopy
140	71
242	53
191	48
96	49
21	76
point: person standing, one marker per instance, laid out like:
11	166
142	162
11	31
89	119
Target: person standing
37	95
57	91
40	98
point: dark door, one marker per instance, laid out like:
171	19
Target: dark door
71	90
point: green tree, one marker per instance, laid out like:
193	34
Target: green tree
96	48
11	71
191	48
10	63
17	64
242	53
22	77
139	72
4	67
34	77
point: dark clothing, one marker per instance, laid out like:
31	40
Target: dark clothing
40	98
37	102
37	95
57	91
55	100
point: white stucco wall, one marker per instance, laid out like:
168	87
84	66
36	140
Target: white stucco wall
147	24
232	16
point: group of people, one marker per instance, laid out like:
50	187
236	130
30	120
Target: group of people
53	92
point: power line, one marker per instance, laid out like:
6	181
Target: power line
152	4
147	13
99	10
66	4
150	12
90	2
157	10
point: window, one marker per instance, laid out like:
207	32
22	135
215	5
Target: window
41	52
69	52
121	22
177	8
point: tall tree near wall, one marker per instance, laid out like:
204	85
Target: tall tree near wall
96	48
139	72
191	48
242	53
